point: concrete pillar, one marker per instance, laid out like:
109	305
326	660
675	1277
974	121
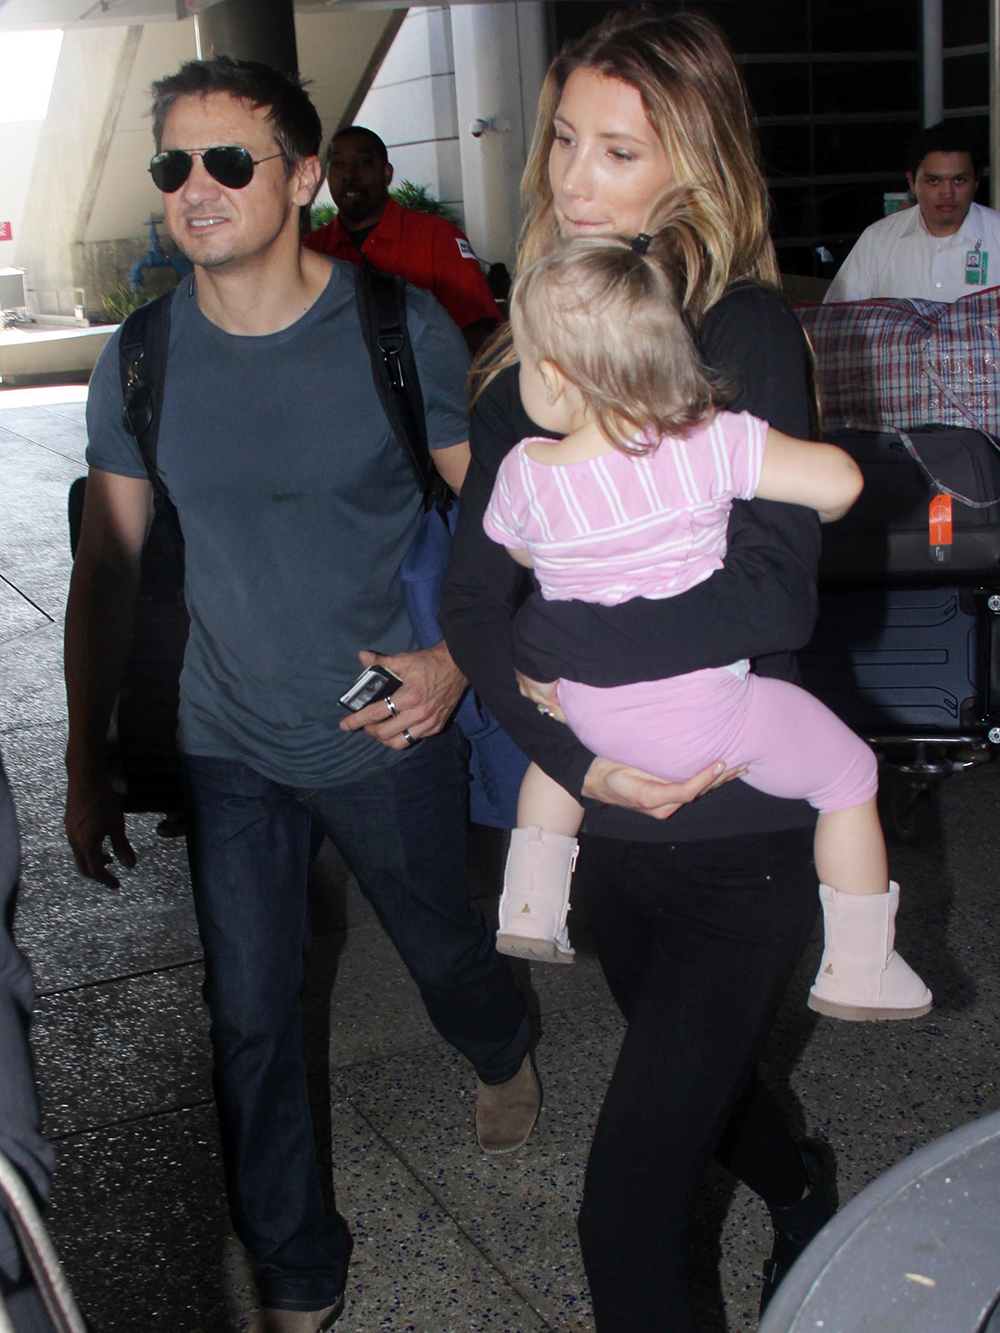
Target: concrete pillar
933	62
261	30
500	61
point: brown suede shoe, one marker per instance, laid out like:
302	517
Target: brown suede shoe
269	1320
506	1112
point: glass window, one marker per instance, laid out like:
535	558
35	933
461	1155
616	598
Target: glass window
785	150
866	25
799	259
966	81
847	209
778	87
845	88
794	210
856	149
965	22
755	26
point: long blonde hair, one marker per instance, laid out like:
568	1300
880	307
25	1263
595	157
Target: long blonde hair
609	314
695	100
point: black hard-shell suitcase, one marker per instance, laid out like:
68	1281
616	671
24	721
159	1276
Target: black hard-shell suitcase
916	672
903	661
887	537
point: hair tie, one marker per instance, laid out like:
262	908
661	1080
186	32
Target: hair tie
640	243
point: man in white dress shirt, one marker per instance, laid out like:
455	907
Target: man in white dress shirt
944	248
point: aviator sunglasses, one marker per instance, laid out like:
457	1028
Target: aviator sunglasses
231	167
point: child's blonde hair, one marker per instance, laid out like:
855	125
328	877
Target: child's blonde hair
609	314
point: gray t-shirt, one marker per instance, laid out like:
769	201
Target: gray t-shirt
297	509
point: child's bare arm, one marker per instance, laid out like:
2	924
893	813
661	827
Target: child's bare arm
805	472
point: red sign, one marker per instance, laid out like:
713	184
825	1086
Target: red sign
5	232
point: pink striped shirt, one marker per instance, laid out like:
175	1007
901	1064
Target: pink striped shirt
612	528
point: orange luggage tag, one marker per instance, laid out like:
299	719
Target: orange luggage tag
939	528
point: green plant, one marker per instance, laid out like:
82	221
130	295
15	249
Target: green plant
420	198
120	303
321	214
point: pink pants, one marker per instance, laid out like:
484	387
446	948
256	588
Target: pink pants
790	743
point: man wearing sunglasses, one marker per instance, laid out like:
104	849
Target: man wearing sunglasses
297	508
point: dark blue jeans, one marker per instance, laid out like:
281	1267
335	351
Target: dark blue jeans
402	832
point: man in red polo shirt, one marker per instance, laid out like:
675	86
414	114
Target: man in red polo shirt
426	250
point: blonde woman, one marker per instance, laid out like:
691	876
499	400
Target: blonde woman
698	918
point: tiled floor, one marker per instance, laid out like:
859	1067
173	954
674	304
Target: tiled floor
446	1240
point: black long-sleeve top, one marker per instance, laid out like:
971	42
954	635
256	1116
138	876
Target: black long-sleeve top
761	604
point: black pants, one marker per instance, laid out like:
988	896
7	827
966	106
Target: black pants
697	942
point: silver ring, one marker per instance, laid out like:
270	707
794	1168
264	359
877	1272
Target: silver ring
545	712
393	710
408	738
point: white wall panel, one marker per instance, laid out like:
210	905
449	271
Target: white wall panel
18	142
422	47
436	165
412	112
411	105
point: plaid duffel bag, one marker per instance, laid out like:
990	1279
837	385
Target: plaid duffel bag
894	364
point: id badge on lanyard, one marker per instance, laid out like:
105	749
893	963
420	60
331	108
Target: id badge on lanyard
976	266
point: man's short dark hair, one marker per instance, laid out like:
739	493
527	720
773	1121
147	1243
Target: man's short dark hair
294	119
947	136
379	147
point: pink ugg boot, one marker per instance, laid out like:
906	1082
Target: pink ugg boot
861	976
535	899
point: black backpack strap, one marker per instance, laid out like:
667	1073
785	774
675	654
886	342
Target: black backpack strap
142	363
381	299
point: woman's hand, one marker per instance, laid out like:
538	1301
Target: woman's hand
617	784
543	694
